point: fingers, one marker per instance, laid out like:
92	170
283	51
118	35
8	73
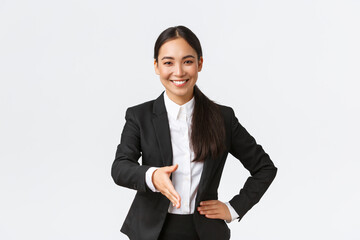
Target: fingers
214	209
173	196
169	191
209	210
163	183
209	207
172	189
209	202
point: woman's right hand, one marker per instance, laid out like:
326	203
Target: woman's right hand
162	182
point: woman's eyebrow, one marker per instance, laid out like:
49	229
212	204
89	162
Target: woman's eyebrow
187	56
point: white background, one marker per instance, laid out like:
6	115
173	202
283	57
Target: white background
69	70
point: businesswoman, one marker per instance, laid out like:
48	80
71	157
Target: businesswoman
184	138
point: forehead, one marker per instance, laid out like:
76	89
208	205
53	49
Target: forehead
176	48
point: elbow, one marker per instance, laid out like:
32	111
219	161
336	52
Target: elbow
275	172
272	172
115	173
269	173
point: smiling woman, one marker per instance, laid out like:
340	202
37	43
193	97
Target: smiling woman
178	69
184	139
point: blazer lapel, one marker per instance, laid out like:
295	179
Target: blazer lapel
162	129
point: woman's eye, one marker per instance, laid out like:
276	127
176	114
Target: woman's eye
188	61
167	63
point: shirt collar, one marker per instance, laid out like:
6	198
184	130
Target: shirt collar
173	109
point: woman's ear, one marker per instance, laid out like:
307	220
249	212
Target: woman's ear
156	67
201	60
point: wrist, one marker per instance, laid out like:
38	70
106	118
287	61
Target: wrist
152	178
149	178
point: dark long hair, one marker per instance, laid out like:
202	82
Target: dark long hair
208	131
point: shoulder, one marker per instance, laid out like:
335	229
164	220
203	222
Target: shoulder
142	107
227	111
145	111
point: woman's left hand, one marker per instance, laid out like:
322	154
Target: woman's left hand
214	209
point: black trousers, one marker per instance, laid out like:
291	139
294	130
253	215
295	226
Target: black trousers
178	227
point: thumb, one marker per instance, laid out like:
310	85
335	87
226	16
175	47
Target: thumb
172	168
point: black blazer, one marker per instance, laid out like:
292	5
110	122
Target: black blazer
146	133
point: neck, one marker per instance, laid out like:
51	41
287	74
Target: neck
180	100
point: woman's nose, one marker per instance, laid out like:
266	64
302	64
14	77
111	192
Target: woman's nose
179	71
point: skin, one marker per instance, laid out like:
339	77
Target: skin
177	60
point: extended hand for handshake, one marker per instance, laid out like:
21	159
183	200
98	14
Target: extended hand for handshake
211	208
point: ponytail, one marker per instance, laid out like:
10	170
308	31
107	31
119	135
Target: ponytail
208	131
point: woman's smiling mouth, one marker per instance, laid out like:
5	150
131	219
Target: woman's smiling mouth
179	83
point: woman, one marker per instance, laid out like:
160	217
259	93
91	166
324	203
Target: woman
184	139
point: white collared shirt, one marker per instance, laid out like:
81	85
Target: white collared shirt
186	178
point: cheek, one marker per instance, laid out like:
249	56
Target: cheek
193	72
164	73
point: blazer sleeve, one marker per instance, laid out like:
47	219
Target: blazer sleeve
256	161
126	170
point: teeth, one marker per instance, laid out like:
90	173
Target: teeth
179	82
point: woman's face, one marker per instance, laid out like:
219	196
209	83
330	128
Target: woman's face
178	68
